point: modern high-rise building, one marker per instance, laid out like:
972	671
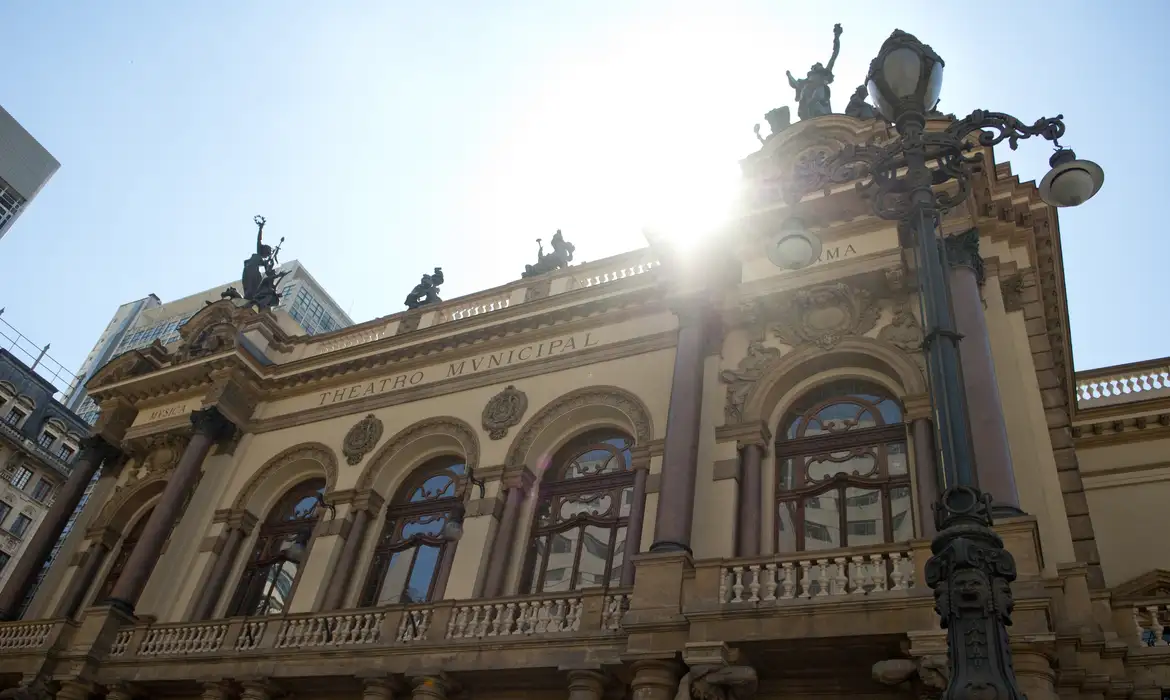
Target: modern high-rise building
139	323
25	167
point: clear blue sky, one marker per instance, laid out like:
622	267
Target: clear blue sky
384	138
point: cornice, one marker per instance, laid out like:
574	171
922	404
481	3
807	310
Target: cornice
1122	431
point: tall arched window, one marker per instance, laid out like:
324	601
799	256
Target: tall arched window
411	556
842	475
279	552
579	535
124	549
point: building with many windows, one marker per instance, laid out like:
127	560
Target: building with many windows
606	480
139	323
25	167
39	441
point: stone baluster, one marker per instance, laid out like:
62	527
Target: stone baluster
993	459
210	426
676	491
517	480
94	451
239	526
364	507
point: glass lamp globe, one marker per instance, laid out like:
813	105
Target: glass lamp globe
1071	181
794	247
453	529
906	75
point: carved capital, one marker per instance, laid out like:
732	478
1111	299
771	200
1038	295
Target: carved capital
518	476
210	422
750	433
234	394
241	519
260	689
1012	289
219	690
918	406
125	691
383	688
367	500
963	250
114	419
437	686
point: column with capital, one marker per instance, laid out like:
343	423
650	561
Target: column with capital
432	687
239	525
676	492
640	463
655	679
364	507
94	451
382	688
517	481
586	685
752	447
209	427
993	458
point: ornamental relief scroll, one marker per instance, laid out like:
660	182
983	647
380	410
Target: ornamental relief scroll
818	317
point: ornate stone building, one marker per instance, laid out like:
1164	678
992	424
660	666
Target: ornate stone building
599	478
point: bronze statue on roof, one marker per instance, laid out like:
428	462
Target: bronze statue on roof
260	277
812	92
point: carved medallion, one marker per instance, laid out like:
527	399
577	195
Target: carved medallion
826	314
903	331
503	411
361	438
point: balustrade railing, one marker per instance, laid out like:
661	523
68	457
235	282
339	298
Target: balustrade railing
809	576
1110	386
1151	621
183	640
334	630
24	635
520	617
618	267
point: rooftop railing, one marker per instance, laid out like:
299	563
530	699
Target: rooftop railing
1122	384
584	276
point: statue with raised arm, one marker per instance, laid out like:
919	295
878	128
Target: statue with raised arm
426	291
260	277
561	256
812	92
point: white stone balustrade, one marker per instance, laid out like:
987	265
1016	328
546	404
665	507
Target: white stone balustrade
1126	384
544	615
330	630
121	641
183	640
593	279
616	605
475	308
251	633
24	635
809	576
1150	621
415	624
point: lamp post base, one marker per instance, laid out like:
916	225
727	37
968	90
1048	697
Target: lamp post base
971	574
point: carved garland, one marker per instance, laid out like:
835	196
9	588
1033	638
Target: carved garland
443	425
611	396
314	451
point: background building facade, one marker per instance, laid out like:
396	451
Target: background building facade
25	167
613	479
139	323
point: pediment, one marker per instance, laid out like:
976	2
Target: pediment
133	363
1152	584
213	329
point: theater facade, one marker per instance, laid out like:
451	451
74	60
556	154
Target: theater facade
658	475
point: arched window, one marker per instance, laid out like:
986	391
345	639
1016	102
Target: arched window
579	535
842	476
279	552
124	549
411	556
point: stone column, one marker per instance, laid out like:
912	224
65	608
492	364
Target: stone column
75	690
641	467
94	451
209	426
751	486
123	691
218	690
586	685
993	459
239	526
364	507
260	689
1034	674
676	491
381	689
654	679
102	543
926	472
432	687
516	482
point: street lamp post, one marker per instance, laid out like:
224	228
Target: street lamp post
970	571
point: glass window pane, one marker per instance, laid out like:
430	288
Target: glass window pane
618	558
822	526
896	456
786	527
901	519
394	582
426	565
594	557
560	560
864	516
538	550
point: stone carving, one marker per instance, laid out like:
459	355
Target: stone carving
361	438
929	672
712	682
858	108
1012	288
503	411
441	425
156	455
130	364
812	92
741	380
824	315
260	277
313	451
613	396
963	249
426	291
778	119
903	332
561	256
538	290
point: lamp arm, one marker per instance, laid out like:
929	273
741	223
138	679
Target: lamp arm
996	127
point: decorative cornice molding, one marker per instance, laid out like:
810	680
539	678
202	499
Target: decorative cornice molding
744	434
